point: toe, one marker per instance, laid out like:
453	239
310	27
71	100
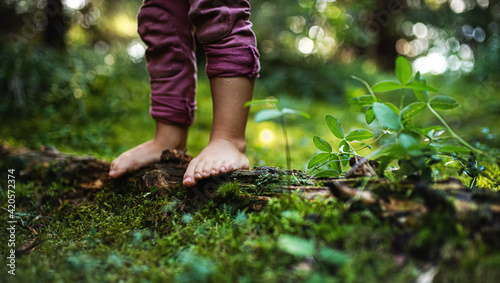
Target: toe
245	165
189	179
215	170
117	173
207	169
112	170
199	170
115	170
227	166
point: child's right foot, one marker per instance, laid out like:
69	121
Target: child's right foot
220	156
167	137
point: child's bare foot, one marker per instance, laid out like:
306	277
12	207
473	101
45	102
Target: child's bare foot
226	150
167	137
220	156
135	158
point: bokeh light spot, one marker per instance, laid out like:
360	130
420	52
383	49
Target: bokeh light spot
434	63
136	51
420	30
457	6
109	59
479	34
296	23
483	3
74	4
78	93
305	45
266	136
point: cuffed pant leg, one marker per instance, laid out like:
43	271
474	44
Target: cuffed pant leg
224	29
165	28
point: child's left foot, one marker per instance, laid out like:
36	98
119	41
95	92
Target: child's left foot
220	156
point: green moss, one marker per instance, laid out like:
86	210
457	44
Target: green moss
111	236
228	191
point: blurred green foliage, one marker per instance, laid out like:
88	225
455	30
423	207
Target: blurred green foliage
71	98
86	96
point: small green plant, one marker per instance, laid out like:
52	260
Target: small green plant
415	148
276	114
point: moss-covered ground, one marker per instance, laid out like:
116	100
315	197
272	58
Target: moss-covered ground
129	236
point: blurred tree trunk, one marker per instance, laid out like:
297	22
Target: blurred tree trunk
386	53
56	29
385	48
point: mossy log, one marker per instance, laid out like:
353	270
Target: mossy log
404	202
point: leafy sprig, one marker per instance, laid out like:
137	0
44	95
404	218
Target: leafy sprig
415	149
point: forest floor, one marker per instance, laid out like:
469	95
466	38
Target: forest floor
266	226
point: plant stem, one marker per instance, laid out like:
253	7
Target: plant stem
462	141
401	103
285	135
367	86
351	148
373	142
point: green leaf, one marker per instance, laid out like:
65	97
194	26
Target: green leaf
260	101
421	95
295	112
359	135
394	151
327	173
406	140
344	146
333	257
296	246
393	107
387	117
363	100
321	144
387	86
318	159
419	78
369	115
431	131
412	110
443	102
403	70
335	164
335	126
266	115
415	85
344	159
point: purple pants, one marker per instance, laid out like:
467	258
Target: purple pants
168	28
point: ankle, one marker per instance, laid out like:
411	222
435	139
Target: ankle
171	136
238	143
171	142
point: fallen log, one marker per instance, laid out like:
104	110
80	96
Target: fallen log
404	201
